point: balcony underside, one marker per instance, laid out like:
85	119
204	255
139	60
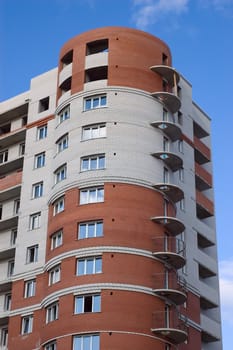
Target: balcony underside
175	296
172	160
169	100
173	192
170	129
169	73
174	335
172	225
173	259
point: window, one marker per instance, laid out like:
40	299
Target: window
29	288
165	144
24	120
89	266
182	204
180	118
180	146
13	237
0	211
37	190
3	156
165	115
52	312
62	143
90	229
16	206
64	114
43	104
27	322
39	160
86	342
67	58
93	131
165	175
87	303
181	174
95	102
10	268
97	47
7	302
93	162
56	239
60	173
51	346
4	337
54	275
42	132
35	221
58	206
32	254
96	73
92	195
21	149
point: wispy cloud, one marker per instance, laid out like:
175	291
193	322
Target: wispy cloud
226	289
146	12
219	5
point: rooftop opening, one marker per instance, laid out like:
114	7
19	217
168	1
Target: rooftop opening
97	47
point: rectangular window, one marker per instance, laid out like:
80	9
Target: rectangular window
32	254
180	118
87	303
7	302
165	144
181	174
29	288
37	190
13	237
55	275
0	211
16	206
90	229
4	156
58	206
4	337
62	143
42	132
182	204
56	239
27	322
34	221
39	160
165	115
89	266
10	268
52	312
95	102
64	115
60	173
43	104
21	149
86	342
51	346
180	146
93	162
93	131
92	195
165	175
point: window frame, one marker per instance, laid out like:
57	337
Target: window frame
96	131
35	221
89	159
29	288
4	156
64	114
88	233
60	174
37	190
10	267
29	324
59	205
4	337
54	275
62	143
94	267
42	132
88	199
51	346
79	345
7	302
35	249
55	239
92	103
39	160
52	312
82	300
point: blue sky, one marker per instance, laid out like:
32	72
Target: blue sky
200	35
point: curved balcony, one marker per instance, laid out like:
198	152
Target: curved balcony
170	251
170	129
168	99
168	73
65	73
171	224
170	159
173	192
171	287
168	325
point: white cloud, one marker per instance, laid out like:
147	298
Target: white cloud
226	289
147	12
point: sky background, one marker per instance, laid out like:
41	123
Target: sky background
200	36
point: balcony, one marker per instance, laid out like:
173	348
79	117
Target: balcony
203	178
173	192
168	99
168	73
204	206
170	286
201	152
7	253
172	225
11	166
10	186
170	250
170	129
211	331
172	160
169	326
8	223
65	73
13	137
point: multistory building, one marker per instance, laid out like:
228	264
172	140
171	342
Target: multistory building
107	223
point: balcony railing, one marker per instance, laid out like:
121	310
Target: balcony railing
170	129
170	286
171	224
170	250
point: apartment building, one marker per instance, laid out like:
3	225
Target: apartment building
107	223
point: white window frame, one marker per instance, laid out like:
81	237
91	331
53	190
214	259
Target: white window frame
4	156
64	115
85	262
10	268
4	337
27	324
51	346
39	161
52	312
85	226
181	146
21	149
37	190
59	206
94	131
96	101
80	344
93	162
181	174
62	143
7	302
56	239
16	206
80	300
42	132
29	288
32	252
60	174
35	221
91	195
13	237
55	275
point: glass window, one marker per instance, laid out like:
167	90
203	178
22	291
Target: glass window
16	206
27	322
39	160
92	195
51	346
42	132
13	236
86	342
181	174
21	149
7	302
93	162
62	143
29	288
32	254
60	173
87	303
56	239
37	190
52	312
3	156
34	221
54	275
58	206
93	131
95	102
90	265
90	229
4	337
64	115
10	268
